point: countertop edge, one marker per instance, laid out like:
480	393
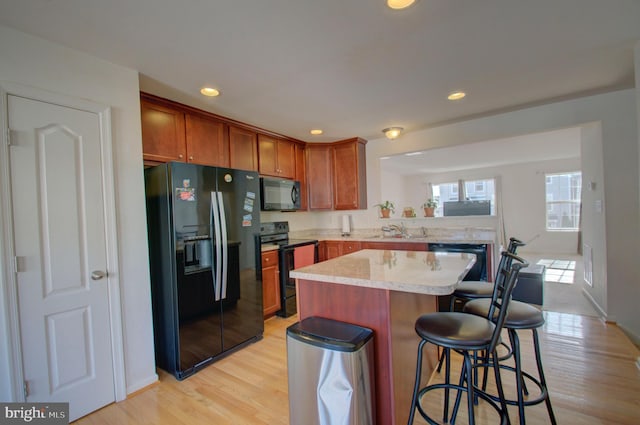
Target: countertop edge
376	284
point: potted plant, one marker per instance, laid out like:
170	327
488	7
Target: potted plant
386	208
429	207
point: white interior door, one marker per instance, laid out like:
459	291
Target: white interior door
61	257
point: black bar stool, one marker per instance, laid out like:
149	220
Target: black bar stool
521	316
472	289
466	334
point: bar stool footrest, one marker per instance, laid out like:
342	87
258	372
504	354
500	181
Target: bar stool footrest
476	391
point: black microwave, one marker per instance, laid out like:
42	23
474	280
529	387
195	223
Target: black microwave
279	194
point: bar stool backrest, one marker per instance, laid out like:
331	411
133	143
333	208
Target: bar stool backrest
502	292
513	246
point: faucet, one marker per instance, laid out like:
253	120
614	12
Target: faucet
425	232
400	229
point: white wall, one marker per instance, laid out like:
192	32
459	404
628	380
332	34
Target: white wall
38	63
523	200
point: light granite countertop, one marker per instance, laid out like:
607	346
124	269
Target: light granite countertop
432	273
468	235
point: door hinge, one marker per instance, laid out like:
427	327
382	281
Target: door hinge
18	264
8	136
26	389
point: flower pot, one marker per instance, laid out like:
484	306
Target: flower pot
385	212
429	212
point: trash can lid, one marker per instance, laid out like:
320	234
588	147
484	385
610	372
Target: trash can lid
330	334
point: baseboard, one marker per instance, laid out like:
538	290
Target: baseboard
599	310
633	337
139	385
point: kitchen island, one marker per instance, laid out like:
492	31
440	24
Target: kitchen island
386	291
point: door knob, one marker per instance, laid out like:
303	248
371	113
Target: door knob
97	274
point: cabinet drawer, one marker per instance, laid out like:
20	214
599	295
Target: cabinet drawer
270	258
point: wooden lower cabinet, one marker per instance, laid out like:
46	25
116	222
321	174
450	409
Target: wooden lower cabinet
333	249
270	283
398	246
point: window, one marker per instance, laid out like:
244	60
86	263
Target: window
481	190
563	192
471	190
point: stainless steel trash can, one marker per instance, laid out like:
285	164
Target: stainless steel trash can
330	371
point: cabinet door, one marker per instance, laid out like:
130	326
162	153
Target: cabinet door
276	157
243	149
301	176
332	249
267	156
322	251
349	175
286	158
207	141
319	179
270	283
163	133
349	247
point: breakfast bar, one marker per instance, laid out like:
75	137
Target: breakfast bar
386	291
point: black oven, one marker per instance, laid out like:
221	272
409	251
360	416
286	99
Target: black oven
290	253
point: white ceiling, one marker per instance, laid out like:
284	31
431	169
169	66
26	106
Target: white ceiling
350	67
557	144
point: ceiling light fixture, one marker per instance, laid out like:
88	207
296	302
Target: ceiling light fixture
399	4
392	132
316	132
209	91
456	95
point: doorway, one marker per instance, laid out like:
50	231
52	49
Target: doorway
59	251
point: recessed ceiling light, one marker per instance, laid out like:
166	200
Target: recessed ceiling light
209	91
316	132
399	4
413	153
456	95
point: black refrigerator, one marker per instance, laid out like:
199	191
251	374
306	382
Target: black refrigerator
207	302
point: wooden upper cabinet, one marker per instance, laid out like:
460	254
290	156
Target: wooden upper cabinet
301	175
319	180
207	141
243	149
276	157
349	174
163	133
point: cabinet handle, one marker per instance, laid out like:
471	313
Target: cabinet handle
191	158
180	156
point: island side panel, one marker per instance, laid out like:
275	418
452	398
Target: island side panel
366	307
406	307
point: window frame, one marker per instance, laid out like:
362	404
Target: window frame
574	203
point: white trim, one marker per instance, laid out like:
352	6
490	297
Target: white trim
143	383
11	336
6	233
599	309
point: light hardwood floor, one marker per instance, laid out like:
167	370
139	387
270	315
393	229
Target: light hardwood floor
590	367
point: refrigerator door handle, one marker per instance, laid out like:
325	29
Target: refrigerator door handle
225	247
217	256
